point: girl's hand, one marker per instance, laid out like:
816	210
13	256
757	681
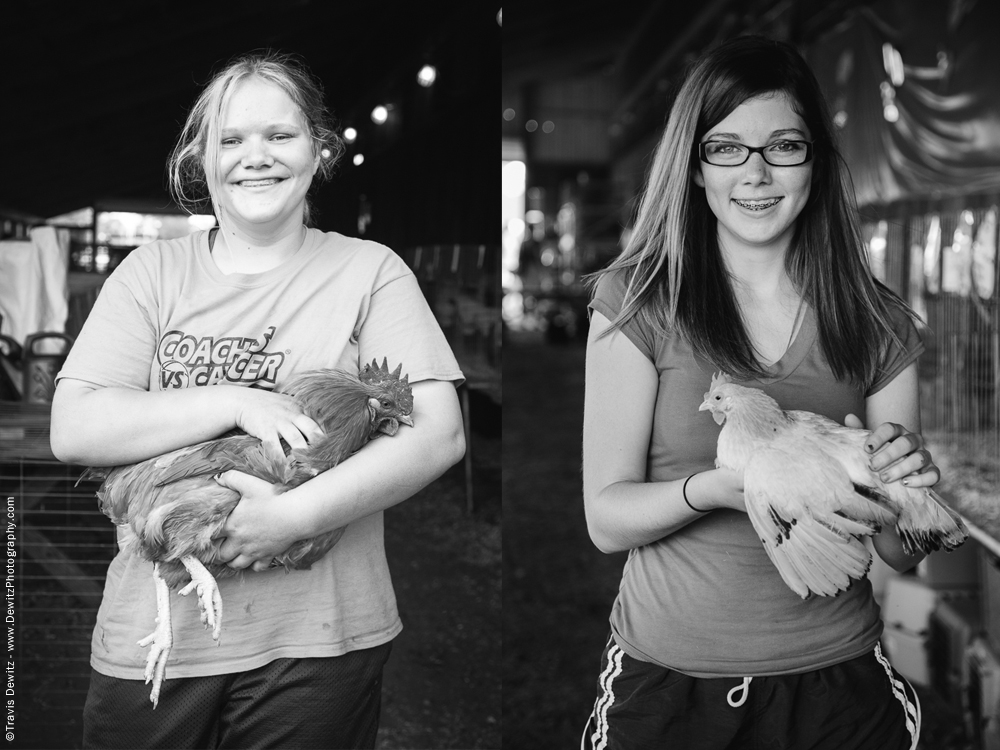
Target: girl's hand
718	488
898	454
272	416
259	527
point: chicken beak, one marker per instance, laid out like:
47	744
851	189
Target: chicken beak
405	419
707	405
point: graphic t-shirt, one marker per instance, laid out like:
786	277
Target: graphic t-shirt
168	318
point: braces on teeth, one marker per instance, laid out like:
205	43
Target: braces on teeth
756	206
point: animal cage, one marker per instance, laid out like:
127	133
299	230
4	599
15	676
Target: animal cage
944	265
63	546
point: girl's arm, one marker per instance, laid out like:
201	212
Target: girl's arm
623	509
385	472
899	453
97	426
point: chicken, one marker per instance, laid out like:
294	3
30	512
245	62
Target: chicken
177	510
811	494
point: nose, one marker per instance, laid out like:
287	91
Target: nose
256	154
756	170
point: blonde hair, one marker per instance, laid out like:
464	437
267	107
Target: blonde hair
193	168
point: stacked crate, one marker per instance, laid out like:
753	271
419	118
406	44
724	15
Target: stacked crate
982	670
921	611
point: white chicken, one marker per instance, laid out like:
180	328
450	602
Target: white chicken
811	494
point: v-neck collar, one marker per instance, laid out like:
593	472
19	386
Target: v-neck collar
796	351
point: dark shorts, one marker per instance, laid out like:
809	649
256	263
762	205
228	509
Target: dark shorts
861	704
302	703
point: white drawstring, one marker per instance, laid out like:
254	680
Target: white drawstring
742	688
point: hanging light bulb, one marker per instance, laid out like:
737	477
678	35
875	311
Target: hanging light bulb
380	114
350	135
359	159
427	75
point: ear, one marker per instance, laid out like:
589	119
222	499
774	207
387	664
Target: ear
698	178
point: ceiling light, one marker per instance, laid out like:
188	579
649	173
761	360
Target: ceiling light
427	75
380	114
350	135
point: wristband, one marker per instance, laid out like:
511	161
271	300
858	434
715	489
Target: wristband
684	493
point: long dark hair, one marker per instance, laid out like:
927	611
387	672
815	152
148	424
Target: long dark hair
676	276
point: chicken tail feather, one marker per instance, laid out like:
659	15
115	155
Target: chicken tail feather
927	524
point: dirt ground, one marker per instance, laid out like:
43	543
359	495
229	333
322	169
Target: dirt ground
558	588
443	683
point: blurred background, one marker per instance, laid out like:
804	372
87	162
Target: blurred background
587	87
94	96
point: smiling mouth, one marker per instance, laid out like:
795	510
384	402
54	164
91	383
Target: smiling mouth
259	183
757	205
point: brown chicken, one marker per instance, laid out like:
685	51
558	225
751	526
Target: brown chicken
177	510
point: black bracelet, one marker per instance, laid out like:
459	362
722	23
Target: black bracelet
684	493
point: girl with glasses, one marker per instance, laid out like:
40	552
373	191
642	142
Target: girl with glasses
746	257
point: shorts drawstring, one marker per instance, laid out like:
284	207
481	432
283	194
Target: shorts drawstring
744	688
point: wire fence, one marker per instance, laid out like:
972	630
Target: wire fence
944	263
63	545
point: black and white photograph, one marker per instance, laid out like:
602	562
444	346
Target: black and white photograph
250	375
751	446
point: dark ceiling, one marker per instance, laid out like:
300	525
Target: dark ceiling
94	95
644	45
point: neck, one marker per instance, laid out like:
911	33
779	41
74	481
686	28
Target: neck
237	250
759	269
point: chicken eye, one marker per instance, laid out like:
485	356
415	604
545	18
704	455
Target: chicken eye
385	403
718	397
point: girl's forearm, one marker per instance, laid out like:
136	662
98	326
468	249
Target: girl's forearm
111	426
387	470
626	515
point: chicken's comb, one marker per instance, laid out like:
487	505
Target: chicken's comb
375	374
379	375
720	379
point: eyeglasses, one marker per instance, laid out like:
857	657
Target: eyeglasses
778	154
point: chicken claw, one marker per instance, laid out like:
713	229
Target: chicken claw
209	598
161	640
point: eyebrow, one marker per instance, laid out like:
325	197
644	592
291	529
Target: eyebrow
280	126
774	134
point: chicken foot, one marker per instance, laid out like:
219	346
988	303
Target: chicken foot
209	598
160	640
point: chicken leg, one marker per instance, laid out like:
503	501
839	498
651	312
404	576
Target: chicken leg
160	640
209	598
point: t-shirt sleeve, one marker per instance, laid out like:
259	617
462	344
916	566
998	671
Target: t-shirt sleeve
397	324
609	294
118	339
898	357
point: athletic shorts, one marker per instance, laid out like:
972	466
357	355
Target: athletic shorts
861	704
330	702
